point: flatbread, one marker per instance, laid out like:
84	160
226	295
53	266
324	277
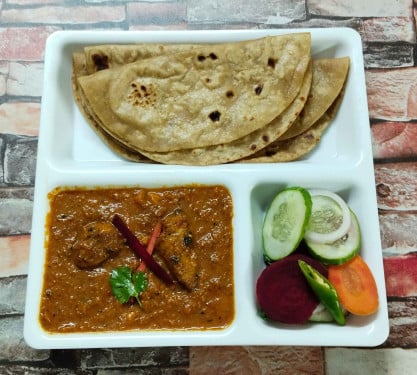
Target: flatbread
205	96
299	146
111	56
96	58
291	135
241	147
329	76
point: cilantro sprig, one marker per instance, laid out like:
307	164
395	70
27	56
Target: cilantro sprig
126	284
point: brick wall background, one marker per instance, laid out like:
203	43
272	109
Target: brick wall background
388	30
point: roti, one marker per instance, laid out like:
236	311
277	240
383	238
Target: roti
197	98
110	56
299	146
241	147
96	58
329	76
327	79
290	135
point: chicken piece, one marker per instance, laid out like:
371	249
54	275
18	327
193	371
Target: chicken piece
97	242
175	246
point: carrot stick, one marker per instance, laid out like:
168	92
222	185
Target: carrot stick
355	286
151	245
140	250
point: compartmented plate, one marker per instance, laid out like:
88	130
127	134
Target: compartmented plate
70	154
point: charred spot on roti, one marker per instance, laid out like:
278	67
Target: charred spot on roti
259	88
215	116
272	61
101	62
270	152
230	94
265	138
142	95
211	56
253	147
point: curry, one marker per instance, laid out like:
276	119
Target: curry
83	247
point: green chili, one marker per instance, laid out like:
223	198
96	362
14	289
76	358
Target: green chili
324	291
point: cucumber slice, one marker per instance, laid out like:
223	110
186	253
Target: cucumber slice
330	217
285	222
340	251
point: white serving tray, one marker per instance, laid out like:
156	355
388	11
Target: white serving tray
70	153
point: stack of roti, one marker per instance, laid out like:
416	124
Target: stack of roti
263	100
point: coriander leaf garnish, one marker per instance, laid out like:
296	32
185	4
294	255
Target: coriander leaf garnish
125	284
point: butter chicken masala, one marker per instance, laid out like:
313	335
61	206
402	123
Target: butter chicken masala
194	246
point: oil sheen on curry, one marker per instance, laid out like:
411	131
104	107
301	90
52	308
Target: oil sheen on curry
195	247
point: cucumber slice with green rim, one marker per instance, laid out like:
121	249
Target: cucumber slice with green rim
285	222
330	217
340	251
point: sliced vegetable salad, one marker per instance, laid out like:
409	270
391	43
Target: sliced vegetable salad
311	246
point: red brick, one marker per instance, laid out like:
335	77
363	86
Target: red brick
256	360
25	79
396	186
61	15
14	255
34	2
403	333
415	13
369	361
401	275
4	69
394	140
237	11
24	43
179	26
20	118
2	86
156	13
392	93
360	8
398	232
389	29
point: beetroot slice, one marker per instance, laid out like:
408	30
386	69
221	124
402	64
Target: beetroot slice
283	293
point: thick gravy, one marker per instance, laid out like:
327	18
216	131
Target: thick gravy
195	247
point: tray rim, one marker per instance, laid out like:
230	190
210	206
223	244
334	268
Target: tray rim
48	171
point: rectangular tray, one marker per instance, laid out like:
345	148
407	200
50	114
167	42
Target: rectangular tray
71	154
